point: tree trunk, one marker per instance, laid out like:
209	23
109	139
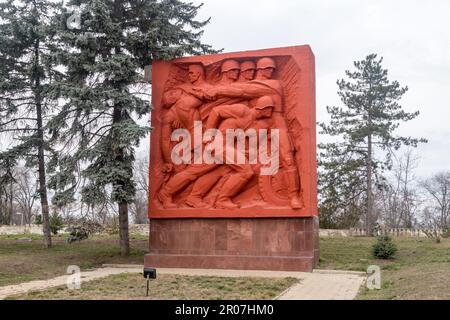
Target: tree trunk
1	208
43	194
117	118
41	155
123	229
11	201
369	211
123	204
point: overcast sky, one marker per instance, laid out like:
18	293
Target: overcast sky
412	36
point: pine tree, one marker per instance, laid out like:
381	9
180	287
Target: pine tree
26	72
104	57
365	130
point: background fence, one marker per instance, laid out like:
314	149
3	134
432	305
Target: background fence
398	232
143	229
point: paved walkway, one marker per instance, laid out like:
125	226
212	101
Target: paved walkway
320	284
325	286
61	281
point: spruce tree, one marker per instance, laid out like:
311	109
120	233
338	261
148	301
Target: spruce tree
366	141
26	72
105	55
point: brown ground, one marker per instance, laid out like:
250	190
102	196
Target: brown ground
167	287
419	270
22	261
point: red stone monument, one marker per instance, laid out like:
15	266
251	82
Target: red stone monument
233	170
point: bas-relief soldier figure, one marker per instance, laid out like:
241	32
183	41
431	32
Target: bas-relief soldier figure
263	84
224	117
183	101
230	88
247	71
265	69
229	72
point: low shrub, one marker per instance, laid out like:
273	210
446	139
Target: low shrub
113	227
82	230
384	248
446	232
56	223
38	219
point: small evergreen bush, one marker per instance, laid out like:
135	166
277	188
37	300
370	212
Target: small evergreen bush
56	223
82	230
384	248
446	232
38	219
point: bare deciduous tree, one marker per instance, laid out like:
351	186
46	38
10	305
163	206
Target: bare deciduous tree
6	193
437	211
25	194
139	207
398	201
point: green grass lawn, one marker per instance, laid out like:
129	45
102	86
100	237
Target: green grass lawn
168	287
419	270
22	261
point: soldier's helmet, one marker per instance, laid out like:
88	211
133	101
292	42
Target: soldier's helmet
247	65
264	102
265	63
229	65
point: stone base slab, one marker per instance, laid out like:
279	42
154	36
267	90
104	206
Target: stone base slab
289	244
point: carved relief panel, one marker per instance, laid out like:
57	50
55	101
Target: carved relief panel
234	135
